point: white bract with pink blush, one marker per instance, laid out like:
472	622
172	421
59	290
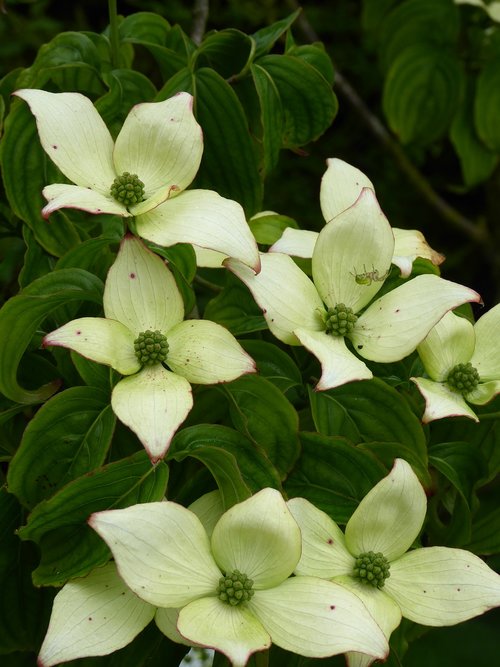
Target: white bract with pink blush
463	364
144	173
142	331
341	186
433	586
337	305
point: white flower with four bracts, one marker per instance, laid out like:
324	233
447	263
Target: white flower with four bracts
341	186
144	329
338	304
435	586
153	160
463	363
164	555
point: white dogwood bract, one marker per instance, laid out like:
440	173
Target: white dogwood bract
165	556
161	144
341	186
141	296
301	311
454	346
434	586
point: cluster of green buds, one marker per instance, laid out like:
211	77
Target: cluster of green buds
151	347
128	189
372	568
340	320
463	378
235	588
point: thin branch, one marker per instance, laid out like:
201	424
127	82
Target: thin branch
475	232
200	18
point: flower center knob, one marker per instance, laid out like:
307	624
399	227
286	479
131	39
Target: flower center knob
151	347
372	568
235	588
463	378
340	320
128	189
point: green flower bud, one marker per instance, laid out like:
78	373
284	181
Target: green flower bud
128	189
151	347
463	378
340	320
372	568
235	588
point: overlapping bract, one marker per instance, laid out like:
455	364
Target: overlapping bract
434	586
141	295
162	144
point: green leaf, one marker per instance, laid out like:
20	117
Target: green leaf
476	160
26	170
486	105
417	22
463	467
154	33
308	102
274	364
24	610
21	316
233	172
268	228
316	56
421	93
36	261
266	38
228	52
372	412
251	462
71	60
485	538
333	474
126	88
68	437
235	309
270	120
69	547
92	255
181	260
260	411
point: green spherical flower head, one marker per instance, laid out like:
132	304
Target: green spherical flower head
372	568
235	588
128	189
340	320
463	378
151	347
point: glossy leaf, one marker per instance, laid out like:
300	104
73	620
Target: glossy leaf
68	437
228	52
486	105
273	363
421	93
333	474
260	411
69	547
21	316
235	309
265	38
270	115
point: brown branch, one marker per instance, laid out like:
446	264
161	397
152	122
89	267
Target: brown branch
200	18
475	232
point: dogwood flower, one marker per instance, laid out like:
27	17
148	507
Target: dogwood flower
143	329
234	590
144	173
337	304
463	364
433	586
341	186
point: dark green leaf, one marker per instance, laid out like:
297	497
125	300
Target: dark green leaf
229	163
126	88
422	91
316	56
274	364
308	102
270	117
69	547
24	610
235	309
486	105
476	160
251	460
333	474
265	38
260	411
26	171
228	52
68	437
21	316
